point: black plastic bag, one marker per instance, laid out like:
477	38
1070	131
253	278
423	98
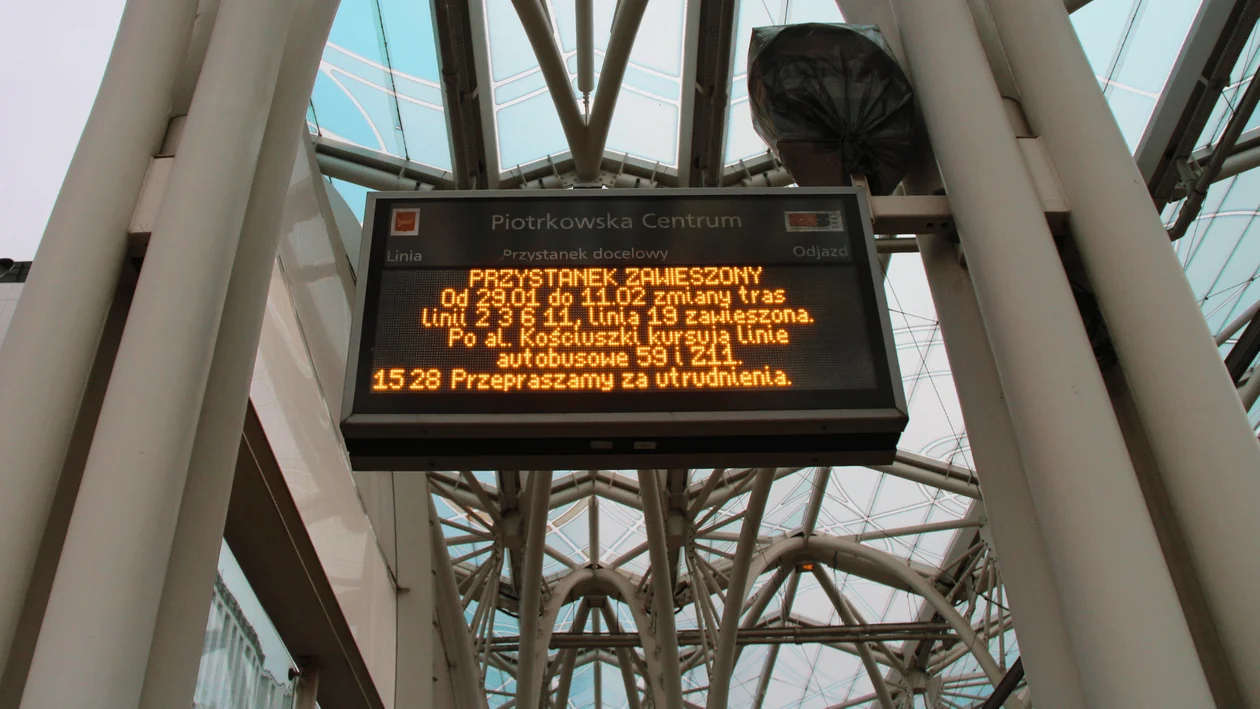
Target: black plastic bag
831	101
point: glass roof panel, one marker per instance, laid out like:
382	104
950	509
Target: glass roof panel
1132	46
377	85
645	122
1239	79
1220	250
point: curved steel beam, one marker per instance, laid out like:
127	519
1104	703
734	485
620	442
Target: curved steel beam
839	553
583	582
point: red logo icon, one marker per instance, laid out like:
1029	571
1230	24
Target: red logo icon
406	221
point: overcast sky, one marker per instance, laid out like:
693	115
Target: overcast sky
51	61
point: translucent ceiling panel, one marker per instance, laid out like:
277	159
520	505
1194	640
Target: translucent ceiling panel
1239	79
1221	250
815	675
645	123
936	427
1132	46
524	116
741	140
378	82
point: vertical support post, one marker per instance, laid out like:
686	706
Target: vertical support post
864	649
413	687
767	673
585	12
528	673
103	608
1101	543
13	677
625	661
194	58
174	659
599	668
724	663
821	477
569	656
1202	442
457	642
67	297
1034	598
593	513
662	591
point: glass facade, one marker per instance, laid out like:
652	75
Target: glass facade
244	664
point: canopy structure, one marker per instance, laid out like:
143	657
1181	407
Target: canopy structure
441	94
1105	483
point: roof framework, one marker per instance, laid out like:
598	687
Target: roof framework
820	587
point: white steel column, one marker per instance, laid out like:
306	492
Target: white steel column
1132	643
863	648
1035	602
457	642
528	672
662	591
1203	444
175	656
94	645
736	590
413	687
51	343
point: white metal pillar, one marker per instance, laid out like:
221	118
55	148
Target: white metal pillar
1203	444
863	648
736	590
1008	504
662	591
416	648
175	656
1102	546
567	658
529	673
625	661
457	641
102	611
50	349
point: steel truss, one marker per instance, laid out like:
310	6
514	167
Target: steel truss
501	531
964	610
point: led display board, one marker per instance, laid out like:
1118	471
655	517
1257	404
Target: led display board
588	328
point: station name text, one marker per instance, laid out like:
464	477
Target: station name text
651	220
